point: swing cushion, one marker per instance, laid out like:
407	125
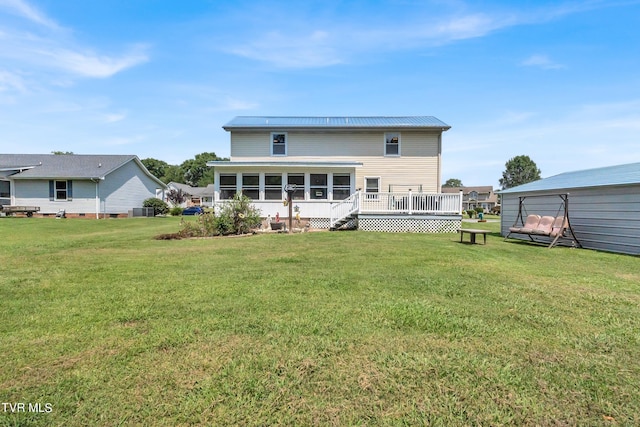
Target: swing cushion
544	226
529	225
559	224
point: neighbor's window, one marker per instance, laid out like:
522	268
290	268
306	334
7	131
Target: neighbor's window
61	190
391	144
278	144
318	185
5	189
227	186
298	180
251	186
341	186
273	187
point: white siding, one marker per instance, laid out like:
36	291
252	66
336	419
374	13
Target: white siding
603	218
418	165
36	193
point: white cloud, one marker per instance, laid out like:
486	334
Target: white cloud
114	117
10	81
25	10
541	61
47	48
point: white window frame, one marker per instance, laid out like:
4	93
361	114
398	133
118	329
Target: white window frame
272	143
341	187
389	135
371	195
225	187
56	189
269	188
323	188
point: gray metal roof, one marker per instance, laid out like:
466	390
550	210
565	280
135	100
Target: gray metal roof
261	122
606	176
67	166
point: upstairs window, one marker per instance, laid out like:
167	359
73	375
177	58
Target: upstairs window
391	144
278	144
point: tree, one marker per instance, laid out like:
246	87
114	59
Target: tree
156	167
196	172
453	183
519	170
60	153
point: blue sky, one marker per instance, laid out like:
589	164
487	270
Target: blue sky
558	81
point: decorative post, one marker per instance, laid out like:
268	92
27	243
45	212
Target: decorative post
290	189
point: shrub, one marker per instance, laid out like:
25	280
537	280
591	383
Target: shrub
176	211
471	212
159	206
479	209
238	216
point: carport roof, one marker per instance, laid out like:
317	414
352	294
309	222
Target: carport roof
627	174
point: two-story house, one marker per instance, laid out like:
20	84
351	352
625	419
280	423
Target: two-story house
476	197
382	170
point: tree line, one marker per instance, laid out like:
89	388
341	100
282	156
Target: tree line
193	172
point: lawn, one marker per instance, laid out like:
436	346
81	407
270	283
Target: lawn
101	324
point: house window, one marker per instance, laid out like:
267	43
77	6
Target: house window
5	193
61	191
278	144
318	185
227	186
371	187
273	187
341	186
391	144
251	186
298	180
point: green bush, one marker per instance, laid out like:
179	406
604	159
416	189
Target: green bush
479	209
159	206
471	213
238	216
175	211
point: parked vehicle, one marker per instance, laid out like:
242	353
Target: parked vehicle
193	210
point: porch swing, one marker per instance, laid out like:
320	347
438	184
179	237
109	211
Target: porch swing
535	226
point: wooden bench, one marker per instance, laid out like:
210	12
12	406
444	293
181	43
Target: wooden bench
473	232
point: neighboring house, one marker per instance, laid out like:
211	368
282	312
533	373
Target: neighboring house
475	197
200	196
603	205
383	170
81	185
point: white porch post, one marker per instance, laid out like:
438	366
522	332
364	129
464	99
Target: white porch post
410	204
461	202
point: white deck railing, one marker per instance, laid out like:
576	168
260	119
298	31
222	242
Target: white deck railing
402	203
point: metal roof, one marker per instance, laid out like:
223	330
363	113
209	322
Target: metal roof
284	164
606	176
261	122
67	166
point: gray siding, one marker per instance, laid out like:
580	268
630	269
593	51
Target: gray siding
123	189
126	188
603	218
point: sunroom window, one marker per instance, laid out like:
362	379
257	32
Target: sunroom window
251	186
318	186
341	186
227	186
298	180
273	187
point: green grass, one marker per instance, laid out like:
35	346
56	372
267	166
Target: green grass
112	327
